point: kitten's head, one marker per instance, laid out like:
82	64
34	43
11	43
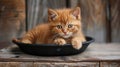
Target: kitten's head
65	22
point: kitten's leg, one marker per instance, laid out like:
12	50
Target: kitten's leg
22	40
28	38
26	41
77	42
60	41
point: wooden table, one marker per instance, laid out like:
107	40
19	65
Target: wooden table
96	55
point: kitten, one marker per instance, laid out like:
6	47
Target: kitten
64	26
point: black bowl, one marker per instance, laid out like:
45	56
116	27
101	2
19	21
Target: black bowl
52	49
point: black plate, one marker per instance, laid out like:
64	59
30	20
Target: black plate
52	49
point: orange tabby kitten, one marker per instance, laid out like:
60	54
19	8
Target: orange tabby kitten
64	26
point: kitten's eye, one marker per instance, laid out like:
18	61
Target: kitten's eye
59	26
70	26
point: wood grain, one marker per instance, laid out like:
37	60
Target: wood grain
110	64
94	18
115	21
94	53
74	3
79	64
12	20
16	64
48	64
4	64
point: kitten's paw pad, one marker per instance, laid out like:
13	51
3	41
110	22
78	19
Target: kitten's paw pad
76	44
60	41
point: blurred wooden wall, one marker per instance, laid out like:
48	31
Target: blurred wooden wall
100	18
12	20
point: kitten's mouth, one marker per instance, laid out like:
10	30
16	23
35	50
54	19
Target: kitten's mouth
66	35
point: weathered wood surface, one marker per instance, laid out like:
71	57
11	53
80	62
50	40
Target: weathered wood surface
53	64
16	64
109	64
12	20
95	52
115	20
47	64
79	64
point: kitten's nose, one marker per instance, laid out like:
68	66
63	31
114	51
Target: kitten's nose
64	32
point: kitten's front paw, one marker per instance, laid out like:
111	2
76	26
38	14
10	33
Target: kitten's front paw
59	41
76	43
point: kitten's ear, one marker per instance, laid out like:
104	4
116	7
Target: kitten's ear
52	14
76	13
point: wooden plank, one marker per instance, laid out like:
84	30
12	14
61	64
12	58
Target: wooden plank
4	64
73	3
50	64
16	64
115	21
109	64
95	52
81	64
56	4
20	64
12	20
37	10
93	18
